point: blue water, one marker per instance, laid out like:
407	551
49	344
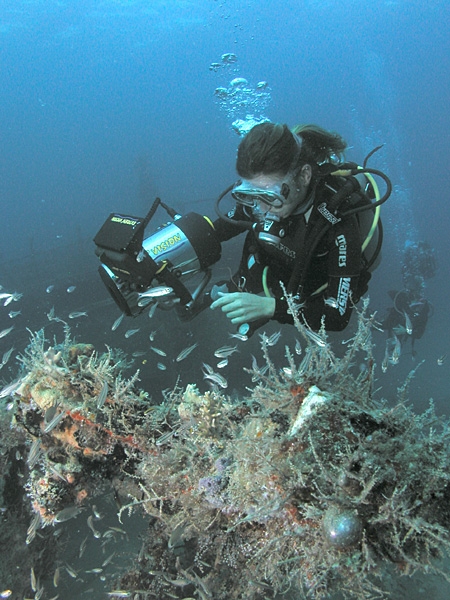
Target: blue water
107	104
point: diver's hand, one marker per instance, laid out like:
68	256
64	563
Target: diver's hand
242	307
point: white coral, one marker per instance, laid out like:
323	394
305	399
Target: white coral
309	406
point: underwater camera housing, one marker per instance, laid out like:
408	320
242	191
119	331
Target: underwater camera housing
139	271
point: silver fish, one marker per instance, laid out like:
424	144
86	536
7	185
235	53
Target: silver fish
10	389
223	363
156	292
90	523
108	560
33	455
77	313
239	336
55	422
67	513
271	340
131	332
6	331
225	351
14	313
395	356
32	529
158	351
101	398
208	368
161	366
33	580
152	310
332	302
49	289
315	337
71	289
117	322
184	353
408	324
82	547
216	378
7	355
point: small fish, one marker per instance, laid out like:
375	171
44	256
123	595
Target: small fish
97	515
225	351
216	378
70	512
208	368
71	289
131	332
34	453
108	560
239	336
156	292
117	322
408	324
77	313
223	363
152	310
161	366
33	580
271	340
143	302
298	347
6	594
158	351
6	331
14	313
34	525
315	337
55	421
101	398
90	523
8	300
71	571
95	570
49	289
184	353
82	547
56	577
331	302
7	355
151	336
395	356
441	359
119	594
10	389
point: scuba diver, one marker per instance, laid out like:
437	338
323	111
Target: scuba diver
408	317
313	235
307	218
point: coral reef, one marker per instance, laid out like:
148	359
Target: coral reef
307	486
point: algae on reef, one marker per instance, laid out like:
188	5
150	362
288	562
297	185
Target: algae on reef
309	484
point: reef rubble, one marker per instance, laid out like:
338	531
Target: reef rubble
309	485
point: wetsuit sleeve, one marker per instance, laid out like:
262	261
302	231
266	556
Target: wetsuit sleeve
342	272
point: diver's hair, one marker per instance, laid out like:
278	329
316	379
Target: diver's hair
319	145
271	148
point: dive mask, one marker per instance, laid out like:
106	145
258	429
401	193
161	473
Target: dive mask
248	195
